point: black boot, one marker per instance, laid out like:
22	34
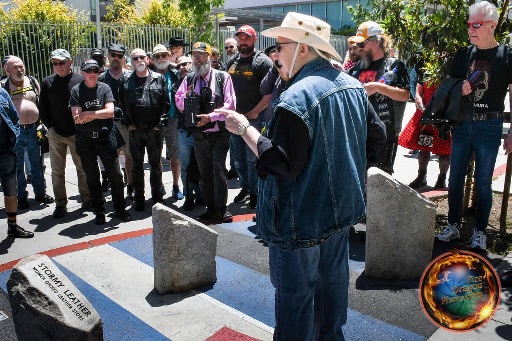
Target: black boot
105	185
441	181
420	181
129	192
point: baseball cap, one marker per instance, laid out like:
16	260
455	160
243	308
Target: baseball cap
96	52
89	64
159	48
202	47
366	30
60	54
117	47
247	30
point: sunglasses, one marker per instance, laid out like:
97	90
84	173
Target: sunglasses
228	47
215	60
183	65
476	24
115	55
279	47
59	63
160	55
362	44
92	71
135	58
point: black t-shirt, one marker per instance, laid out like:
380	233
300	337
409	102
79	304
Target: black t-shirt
107	78
247	80
488	71
141	105
394	73
90	99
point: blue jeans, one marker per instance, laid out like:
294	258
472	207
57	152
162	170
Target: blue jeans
482	138
28	141
186	147
245	160
311	290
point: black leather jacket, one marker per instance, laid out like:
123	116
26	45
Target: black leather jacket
159	99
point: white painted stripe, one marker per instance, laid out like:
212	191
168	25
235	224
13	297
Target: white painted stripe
129	283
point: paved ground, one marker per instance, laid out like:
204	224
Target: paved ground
113	267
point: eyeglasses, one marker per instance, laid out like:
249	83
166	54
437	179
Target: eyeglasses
92	71
160	55
115	55
228	47
62	62
476	24
279	47
215	60
183	65
362	44
135	58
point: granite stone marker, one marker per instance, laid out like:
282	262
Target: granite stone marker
400	226
184	252
47	306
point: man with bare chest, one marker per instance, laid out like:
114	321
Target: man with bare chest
24	92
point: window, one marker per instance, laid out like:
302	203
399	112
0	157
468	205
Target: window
304	8
318	10
334	14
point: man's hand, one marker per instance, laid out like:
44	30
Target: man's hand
372	87
132	127
233	119
507	144
466	88
251	115
203	119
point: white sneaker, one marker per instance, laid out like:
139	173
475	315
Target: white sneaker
449	233
478	240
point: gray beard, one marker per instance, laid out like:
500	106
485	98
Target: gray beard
365	62
201	70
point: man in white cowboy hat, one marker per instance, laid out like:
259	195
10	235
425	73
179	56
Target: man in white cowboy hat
386	81
312	168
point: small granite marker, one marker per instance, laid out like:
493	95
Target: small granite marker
184	252
47	306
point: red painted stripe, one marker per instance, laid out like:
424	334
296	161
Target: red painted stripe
83	245
227	334
499	171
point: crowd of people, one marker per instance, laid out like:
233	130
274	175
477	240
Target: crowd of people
301	134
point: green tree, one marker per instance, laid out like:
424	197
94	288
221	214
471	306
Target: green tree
429	29
202	23
166	12
122	12
32	29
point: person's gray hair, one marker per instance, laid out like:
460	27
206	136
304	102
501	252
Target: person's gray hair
485	8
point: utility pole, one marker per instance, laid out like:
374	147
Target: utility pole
98	28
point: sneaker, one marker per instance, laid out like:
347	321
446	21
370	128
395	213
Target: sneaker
208	215
16	231
23	204
241	196
253	201
449	233
86	206
139	206
100	218
45	199
188	205
478	240
123	216
176	193
227	217
60	211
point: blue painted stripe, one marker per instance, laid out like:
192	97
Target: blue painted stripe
4	277
118	323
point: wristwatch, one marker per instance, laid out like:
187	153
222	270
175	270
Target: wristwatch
242	129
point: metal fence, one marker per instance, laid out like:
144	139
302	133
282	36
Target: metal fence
33	42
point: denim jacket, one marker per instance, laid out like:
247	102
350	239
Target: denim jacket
328	195
159	98
10	116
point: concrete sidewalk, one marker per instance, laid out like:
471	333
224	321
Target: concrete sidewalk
112	265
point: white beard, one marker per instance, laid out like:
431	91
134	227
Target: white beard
201	70
163	65
141	67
